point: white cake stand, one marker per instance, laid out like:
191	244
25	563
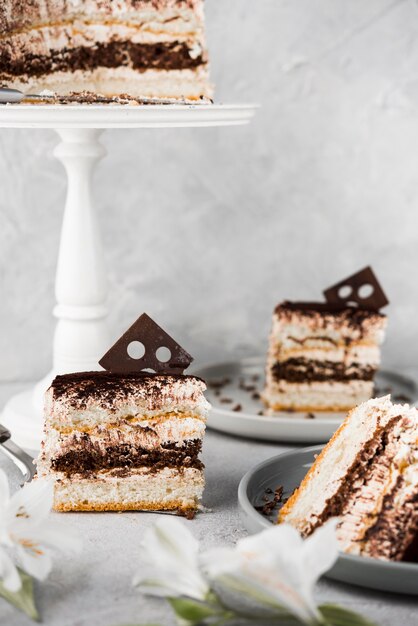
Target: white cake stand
81	336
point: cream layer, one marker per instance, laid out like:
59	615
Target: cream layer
127	418
42	41
43	12
359	353
295	329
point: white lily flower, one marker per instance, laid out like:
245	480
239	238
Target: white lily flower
9	575
276	569
24	526
170	553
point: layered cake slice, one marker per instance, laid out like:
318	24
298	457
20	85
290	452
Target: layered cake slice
367	476
144	48
323	356
118	440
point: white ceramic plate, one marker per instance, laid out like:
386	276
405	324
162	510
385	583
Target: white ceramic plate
124	116
237	385
287	470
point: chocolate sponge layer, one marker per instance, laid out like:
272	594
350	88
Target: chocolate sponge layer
113	54
93	459
301	370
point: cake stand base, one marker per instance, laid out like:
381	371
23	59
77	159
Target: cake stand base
24	418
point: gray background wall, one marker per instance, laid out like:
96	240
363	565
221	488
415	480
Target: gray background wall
207	229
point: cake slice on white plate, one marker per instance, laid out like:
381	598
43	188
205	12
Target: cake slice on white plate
367	477
323	356
127	440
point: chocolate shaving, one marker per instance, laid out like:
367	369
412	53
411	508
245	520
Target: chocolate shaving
278	494
402	398
353	285
270	505
247	387
152	337
189	514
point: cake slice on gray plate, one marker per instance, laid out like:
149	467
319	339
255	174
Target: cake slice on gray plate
123	440
323	356
367	477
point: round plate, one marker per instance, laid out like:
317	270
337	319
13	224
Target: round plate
124	116
287	470
234	393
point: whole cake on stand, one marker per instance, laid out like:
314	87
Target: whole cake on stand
138	48
139	52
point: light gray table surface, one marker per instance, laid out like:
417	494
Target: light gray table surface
94	588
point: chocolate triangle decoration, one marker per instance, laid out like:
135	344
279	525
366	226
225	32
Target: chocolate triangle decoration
362	290
152	337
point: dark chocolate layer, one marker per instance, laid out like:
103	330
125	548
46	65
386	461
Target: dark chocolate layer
395	528
141	57
301	370
93	459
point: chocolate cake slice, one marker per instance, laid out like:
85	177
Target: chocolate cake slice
118	441
323	356
367	477
144	48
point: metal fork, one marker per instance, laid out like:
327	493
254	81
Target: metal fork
14	96
17	454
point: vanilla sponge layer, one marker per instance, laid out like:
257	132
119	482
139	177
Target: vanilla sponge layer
317	396
191	84
165	490
357	353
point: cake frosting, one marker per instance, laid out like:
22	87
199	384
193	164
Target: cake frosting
106	433
322	357
144	48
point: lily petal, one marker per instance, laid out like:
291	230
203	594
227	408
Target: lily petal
4	494
321	549
168	585
8	573
33	501
37	562
170	543
171	552
271	568
56	535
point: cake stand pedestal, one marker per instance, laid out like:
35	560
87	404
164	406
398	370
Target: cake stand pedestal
81	335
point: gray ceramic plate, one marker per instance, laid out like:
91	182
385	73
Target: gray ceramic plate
234	392
288	470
